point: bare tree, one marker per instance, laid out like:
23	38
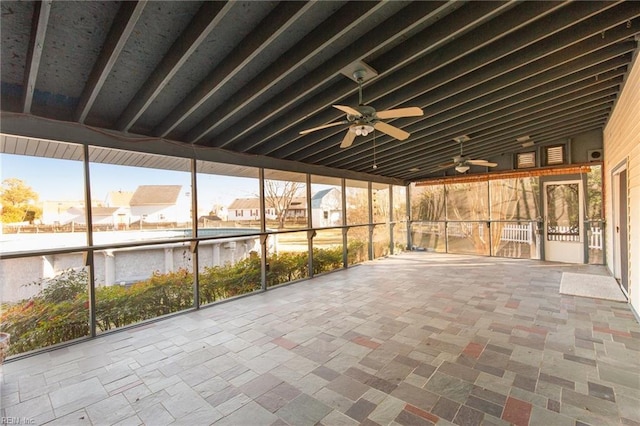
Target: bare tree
278	195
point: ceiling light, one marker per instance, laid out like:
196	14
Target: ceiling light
362	129
525	141
462	138
414	169
462	168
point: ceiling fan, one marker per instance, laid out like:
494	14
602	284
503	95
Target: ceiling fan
363	119
463	163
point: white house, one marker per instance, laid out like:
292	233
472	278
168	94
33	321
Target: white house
57	212
109	217
118	199
161	204
247	209
326	208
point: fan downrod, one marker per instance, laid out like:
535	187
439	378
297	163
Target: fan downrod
359	76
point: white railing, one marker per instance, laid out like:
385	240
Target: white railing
523	234
517	233
595	238
510	232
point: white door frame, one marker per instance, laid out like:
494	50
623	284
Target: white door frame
564	251
615	213
617	243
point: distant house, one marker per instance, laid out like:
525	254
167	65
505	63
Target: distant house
56	212
160	204
100	216
247	209
120	199
297	209
326	208
208	220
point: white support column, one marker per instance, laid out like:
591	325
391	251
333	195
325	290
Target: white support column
216	254
109	267
47	267
168	260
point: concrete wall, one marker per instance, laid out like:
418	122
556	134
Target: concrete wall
622	149
120	266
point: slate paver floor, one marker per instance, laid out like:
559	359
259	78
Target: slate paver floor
413	339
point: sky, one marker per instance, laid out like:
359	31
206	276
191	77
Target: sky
62	180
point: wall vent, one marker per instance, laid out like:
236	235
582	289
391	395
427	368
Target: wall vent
525	160
555	155
594	155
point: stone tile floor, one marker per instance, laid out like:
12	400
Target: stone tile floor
414	339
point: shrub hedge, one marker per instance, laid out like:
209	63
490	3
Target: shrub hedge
60	311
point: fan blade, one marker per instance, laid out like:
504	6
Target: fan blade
391	130
324	126
443	166
400	112
482	163
348	110
348	139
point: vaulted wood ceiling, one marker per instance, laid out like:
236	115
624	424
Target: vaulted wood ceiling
249	76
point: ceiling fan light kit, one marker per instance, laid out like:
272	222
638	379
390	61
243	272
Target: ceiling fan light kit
462	163
361	129
363	119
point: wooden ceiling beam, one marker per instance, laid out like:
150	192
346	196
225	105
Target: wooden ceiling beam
205	21
41	13
121	29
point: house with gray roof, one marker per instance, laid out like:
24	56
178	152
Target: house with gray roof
326	208
247	209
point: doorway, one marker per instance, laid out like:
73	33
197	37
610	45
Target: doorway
620	236
564	221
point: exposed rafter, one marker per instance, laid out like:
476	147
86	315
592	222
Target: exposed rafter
339	24
241	80
205	21
41	12
423	43
121	29
386	33
275	24
492	59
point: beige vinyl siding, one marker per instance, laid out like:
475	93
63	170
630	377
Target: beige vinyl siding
622	145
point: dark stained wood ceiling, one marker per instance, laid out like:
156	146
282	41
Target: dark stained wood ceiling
249	76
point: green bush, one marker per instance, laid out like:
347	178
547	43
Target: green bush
222	282
60	310
287	267
325	260
356	251
57	314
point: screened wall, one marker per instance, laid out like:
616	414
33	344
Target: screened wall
498	216
95	239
